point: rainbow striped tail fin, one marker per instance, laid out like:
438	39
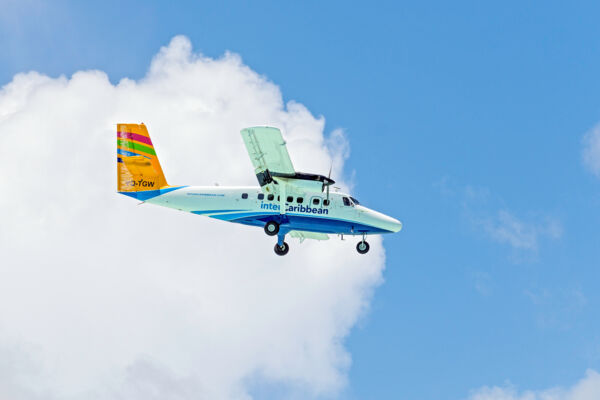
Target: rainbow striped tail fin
139	174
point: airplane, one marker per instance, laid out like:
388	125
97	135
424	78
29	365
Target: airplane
286	202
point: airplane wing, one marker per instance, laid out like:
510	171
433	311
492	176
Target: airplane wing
267	151
273	167
302	235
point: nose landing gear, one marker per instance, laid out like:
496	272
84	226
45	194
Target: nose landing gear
363	246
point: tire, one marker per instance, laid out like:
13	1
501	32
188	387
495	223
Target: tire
283	250
271	228
362	247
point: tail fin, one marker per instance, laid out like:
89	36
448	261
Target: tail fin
138	170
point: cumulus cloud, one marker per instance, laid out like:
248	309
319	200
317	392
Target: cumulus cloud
104	299
591	150
588	388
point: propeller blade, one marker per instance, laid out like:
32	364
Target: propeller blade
329	178
326	183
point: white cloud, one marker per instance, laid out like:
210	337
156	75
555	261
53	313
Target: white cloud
588	388
591	150
488	215
102	299
506	228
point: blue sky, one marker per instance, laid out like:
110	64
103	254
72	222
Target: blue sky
465	120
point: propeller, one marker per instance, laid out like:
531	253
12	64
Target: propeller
326	183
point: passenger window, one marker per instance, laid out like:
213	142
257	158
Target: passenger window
270	197
346	201
326	202
290	199
316	201
300	200
261	196
244	195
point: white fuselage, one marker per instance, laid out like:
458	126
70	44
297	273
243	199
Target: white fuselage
307	211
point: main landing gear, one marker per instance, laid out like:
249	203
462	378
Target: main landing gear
281	250
363	246
272	228
281	247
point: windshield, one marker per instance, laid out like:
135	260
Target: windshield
354	201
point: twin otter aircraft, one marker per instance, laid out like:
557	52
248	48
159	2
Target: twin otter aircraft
286	202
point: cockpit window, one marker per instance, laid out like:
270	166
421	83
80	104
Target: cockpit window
354	200
346	201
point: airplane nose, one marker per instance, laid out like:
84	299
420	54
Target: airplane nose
392	224
395	225
385	222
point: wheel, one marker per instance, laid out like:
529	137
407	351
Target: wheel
282	250
272	228
363	247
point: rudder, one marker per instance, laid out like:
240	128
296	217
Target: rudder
138	168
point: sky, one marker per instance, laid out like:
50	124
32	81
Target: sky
474	124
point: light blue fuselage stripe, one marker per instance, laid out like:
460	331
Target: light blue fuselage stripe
144	195
233	217
213	211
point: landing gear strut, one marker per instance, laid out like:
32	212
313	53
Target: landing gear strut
272	228
363	247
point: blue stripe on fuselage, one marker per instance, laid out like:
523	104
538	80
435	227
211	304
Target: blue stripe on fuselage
329	225
301	222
